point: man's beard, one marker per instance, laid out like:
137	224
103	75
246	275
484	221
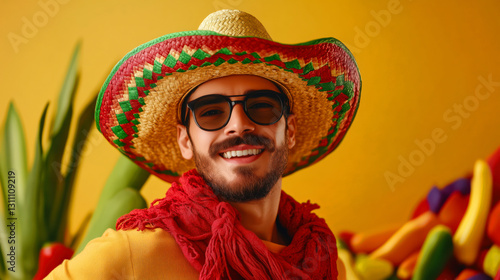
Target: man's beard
252	186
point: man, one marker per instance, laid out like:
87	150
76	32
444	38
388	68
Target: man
245	111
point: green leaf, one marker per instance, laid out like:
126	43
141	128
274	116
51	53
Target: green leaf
66	95
82	131
53	182
13	167
121	203
32	231
14	155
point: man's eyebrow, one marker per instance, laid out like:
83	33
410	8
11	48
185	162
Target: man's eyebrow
260	90
247	92
244	93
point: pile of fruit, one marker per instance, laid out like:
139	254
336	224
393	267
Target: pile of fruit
453	233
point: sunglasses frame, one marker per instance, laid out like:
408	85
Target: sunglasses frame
281	97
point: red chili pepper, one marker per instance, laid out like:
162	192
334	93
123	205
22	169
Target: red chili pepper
422	207
493	226
494	163
51	255
453	210
346	236
466	274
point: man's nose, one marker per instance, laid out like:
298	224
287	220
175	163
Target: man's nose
239	123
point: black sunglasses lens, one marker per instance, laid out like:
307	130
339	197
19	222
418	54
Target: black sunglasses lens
211	112
264	108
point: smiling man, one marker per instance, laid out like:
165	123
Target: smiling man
241	150
224	113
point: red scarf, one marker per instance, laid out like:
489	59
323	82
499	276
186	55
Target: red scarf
213	240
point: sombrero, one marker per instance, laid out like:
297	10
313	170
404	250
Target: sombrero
138	106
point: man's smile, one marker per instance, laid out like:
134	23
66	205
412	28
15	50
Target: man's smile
244	146
242	153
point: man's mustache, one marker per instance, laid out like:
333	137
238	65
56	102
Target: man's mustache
248	139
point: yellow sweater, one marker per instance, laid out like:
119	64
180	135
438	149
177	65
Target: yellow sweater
128	255
132	255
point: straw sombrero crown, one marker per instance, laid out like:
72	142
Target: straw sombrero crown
138	106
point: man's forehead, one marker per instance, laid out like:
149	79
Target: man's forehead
233	85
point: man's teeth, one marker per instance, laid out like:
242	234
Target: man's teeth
241	153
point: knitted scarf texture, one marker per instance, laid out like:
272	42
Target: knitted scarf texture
212	239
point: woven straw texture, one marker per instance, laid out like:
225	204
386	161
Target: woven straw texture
234	23
137	109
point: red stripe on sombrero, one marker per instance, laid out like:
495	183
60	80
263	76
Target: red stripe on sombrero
105	123
332	146
130	115
330	95
343	129
324	72
341	99
135	105
323	143
128	129
305	161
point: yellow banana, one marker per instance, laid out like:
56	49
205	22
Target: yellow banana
348	261
470	231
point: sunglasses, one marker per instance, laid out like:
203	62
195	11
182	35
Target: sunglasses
213	112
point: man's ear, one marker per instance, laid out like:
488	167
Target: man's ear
292	125
184	142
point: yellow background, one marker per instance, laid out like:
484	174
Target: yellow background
418	59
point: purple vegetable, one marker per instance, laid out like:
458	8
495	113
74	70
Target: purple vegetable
462	185
436	199
480	276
